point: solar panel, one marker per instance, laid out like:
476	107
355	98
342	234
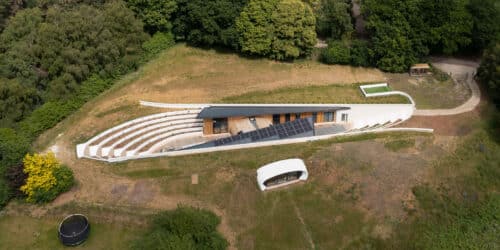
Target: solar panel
284	130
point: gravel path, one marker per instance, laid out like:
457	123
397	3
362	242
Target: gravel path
460	70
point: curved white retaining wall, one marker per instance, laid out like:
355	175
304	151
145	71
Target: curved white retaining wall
260	144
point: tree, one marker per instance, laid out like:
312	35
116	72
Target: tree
55	50
486	20
489	72
279	29
156	14
338	52
183	228
16	101
333	19
396	43
361	53
448	24
208	22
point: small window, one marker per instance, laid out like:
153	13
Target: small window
315	117
344	117
328	116
297	116
220	125
276	119
287	117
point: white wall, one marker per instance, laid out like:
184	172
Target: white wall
362	115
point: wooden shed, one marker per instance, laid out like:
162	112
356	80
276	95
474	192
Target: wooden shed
420	69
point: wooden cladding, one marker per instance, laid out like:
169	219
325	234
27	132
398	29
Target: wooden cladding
208	126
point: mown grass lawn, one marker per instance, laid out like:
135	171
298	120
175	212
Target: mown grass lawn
24	232
313	94
373	90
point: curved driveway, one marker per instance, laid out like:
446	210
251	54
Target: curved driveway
461	70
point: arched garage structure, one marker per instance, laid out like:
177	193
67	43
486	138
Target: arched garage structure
281	173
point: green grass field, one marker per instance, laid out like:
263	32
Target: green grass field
312	94
353	199
374	90
23	232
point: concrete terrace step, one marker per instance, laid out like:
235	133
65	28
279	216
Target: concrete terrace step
137	142
125	140
157	140
91	147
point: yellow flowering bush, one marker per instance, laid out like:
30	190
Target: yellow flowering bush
46	177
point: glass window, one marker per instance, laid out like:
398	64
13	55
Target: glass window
297	116
276	119
344	117
287	117
328	116
315	117
220	125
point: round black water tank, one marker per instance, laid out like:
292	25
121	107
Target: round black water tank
74	230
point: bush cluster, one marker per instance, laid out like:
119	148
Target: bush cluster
183	228
47	178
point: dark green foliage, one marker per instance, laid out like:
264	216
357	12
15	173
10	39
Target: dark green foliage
57	49
156	14
486	22
16	178
361	53
5	192
183	228
13	147
337	53
50	113
4	12
447	25
65	181
279	29
157	43
389	24
489	72
16	101
333	19
209	23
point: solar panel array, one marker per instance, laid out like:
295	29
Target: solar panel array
280	131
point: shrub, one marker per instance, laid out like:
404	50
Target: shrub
46	177
16	178
157	43
13	147
336	53
4	192
361	53
183	228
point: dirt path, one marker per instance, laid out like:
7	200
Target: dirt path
460	70
301	219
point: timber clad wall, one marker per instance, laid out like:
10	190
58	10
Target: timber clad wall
208	127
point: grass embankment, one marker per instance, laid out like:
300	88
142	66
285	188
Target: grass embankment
313	94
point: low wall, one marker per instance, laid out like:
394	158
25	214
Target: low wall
262	144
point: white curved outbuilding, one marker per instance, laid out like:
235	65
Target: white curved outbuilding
281	173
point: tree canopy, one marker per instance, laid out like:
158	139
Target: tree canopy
279	29
51	52
208	23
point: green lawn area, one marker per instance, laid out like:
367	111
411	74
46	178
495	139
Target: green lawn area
373	90
23	232
313	94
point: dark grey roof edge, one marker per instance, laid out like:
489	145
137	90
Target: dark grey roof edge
229	111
